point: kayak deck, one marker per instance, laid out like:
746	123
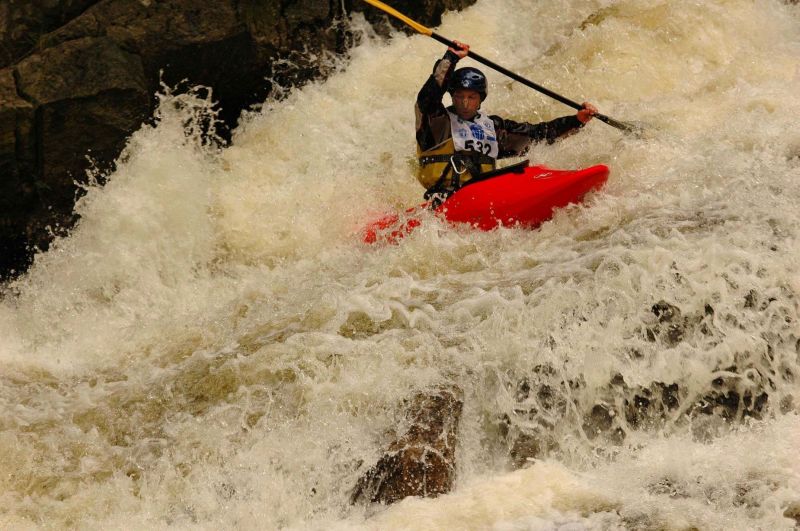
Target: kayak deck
526	198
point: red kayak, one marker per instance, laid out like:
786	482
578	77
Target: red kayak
525	198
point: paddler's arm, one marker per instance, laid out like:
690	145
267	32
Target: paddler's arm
429	100
515	137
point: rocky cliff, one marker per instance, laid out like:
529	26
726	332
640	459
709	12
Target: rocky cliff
77	77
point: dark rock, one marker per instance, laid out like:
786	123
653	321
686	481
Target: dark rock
22	22
750	299
16	158
87	71
745	387
205	43
674	334
89	95
17	164
793	512
599	421
649	407
754	301
151	28
666	312
421	462
733	398
540	402
670	328
107	96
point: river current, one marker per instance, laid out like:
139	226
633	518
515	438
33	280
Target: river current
213	348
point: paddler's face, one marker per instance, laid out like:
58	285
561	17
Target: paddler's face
466	102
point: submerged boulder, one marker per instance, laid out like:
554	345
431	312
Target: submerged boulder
421	462
751	383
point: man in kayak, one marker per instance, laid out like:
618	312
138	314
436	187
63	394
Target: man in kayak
459	143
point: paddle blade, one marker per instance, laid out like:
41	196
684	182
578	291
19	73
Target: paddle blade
627	127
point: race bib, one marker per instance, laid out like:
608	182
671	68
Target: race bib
474	135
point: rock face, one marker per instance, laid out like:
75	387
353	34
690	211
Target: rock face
17	167
421	462
77	77
22	22
744	387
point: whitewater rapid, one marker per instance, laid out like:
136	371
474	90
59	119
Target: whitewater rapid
212	347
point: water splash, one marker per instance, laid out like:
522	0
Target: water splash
211	347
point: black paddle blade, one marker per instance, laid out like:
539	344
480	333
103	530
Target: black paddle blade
622	126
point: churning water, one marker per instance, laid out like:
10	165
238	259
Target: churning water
213	348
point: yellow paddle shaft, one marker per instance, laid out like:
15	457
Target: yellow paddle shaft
416	25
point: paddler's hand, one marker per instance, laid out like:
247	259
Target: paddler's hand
587	113
461	51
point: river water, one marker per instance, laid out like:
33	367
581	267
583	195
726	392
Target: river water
213	348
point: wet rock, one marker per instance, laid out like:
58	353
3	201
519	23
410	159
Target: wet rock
750	299
17	189
648	407
534	426
733	398
22	22
16	124
793	512
738	395
540	403
546	408
205	43
600	422
152	28
528	447
670	328
108	94
666	312
86	95
755	301
621	408
531	435
421	462
86	72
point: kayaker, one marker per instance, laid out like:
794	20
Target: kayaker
458	143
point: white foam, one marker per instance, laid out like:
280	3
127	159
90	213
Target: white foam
213	348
